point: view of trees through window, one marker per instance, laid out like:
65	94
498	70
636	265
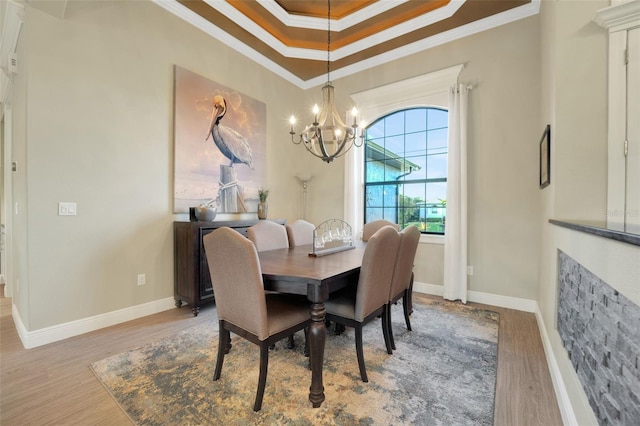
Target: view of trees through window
406	169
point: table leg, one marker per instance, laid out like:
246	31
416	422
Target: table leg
317	337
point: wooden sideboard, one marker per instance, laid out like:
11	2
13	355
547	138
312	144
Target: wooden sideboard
192	282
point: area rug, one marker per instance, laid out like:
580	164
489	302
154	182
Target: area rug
442	373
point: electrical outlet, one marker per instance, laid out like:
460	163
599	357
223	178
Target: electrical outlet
142	279
469	270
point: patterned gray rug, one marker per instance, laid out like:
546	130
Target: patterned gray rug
442	373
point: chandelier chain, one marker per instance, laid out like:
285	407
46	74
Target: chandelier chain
328	137
328	38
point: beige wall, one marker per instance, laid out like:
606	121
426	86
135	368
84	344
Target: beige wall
94	125
574	101
502	64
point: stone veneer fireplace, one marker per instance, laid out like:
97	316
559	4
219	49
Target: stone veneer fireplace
600	329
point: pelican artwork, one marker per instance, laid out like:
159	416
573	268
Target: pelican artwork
231	143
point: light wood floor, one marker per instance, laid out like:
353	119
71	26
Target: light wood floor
53	385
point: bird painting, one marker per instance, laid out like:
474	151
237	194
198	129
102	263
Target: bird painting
231	143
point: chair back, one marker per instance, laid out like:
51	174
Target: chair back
300	233
376	271
237	280
409	238
268	235
372	227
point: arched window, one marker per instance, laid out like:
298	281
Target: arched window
405	169
425	92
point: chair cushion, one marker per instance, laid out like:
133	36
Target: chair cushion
285	311
342	305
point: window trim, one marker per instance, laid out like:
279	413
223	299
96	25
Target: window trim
429	90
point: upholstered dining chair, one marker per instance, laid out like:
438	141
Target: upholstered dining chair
355	309
300	233
403	275
268	235
242	305
370	228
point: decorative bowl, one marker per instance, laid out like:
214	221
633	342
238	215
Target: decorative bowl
205	214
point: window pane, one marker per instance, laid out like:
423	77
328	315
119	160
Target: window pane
373	214
394	124
416	144
418	167
374	196
436	192
416	191
437	166
376	130
416	120
375	171
391	214
394	146
437	141
390	195
437	118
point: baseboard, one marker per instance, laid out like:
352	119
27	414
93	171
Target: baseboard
43	336
432	289
516	303
562	396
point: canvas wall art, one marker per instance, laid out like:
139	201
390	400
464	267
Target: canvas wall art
220	145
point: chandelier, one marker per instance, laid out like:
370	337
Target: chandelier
328	137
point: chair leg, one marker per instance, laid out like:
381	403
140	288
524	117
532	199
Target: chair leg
385	327
360	352
228	345
410	296
290	343
306	342
262	379
223	337
406	301
390	328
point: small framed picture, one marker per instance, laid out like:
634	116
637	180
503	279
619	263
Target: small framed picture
545	157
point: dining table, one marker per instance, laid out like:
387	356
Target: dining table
295	271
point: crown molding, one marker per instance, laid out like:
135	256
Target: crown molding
619	17
342	24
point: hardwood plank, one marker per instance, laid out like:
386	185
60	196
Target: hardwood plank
53	384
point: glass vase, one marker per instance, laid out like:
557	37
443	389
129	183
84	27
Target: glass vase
262	210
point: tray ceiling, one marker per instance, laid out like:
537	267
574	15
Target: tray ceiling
289	37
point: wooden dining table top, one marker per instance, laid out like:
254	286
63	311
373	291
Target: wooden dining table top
295	263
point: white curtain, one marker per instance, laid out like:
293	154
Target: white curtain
455	238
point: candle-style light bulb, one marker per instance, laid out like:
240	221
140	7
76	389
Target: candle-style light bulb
354	113
316	110
292	121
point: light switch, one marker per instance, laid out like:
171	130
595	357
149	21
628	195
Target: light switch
67	209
